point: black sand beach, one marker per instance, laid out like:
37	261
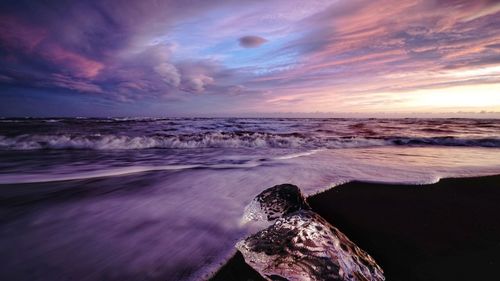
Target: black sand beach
444	231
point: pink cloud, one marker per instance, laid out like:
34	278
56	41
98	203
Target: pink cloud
16	34
78	65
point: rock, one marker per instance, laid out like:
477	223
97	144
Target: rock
300	244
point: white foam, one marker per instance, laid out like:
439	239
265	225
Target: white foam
192	216
51	177
33	178
296	155
225	140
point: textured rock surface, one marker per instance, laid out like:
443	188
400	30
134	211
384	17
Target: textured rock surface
275	202
300	245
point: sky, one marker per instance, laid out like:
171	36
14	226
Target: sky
259	58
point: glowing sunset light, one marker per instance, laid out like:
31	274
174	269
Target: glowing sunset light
475	73
461	97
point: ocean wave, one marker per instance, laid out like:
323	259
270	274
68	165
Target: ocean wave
226	140
110	142
113	172
448	141
48	177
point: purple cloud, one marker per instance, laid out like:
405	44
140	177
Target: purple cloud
321	51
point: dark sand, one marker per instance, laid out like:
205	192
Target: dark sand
444	231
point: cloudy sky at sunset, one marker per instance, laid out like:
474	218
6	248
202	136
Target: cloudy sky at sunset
190	58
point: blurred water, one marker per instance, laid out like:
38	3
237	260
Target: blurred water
161	199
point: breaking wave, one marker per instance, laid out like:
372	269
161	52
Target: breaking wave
112	172
226	140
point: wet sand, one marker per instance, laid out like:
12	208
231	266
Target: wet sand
444	231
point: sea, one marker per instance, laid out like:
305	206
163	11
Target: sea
163	198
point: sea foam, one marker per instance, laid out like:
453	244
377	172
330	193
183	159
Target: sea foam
226	140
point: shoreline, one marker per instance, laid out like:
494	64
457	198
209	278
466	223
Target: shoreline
449	230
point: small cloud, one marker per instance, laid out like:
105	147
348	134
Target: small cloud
72	83
251	41
237	89
197	83
493	46
168	73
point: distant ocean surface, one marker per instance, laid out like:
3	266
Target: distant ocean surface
162	198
